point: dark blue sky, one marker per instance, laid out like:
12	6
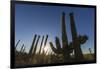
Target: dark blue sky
42	20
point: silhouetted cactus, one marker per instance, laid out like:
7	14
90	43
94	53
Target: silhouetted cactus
66	49
64	34
58	49
41	45
76	40
74	45
90	51
82	39
92	56
32	46
65	39
63	51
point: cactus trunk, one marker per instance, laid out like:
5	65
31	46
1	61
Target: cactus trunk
64	34
65	39
75	40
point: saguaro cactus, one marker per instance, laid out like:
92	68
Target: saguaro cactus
77	40
66	49
74	45
58	49
90	51
32	46
64	37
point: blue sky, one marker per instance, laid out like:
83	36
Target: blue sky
43	20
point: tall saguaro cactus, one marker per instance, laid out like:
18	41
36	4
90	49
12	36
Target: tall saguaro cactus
64	37
76	44
66	49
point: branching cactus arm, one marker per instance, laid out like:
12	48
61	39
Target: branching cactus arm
58	43
53	48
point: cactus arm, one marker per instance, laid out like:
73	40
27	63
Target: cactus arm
73	27
58	46
53	48
75	39
82	39
64	33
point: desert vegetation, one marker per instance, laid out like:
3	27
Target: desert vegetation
60	52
